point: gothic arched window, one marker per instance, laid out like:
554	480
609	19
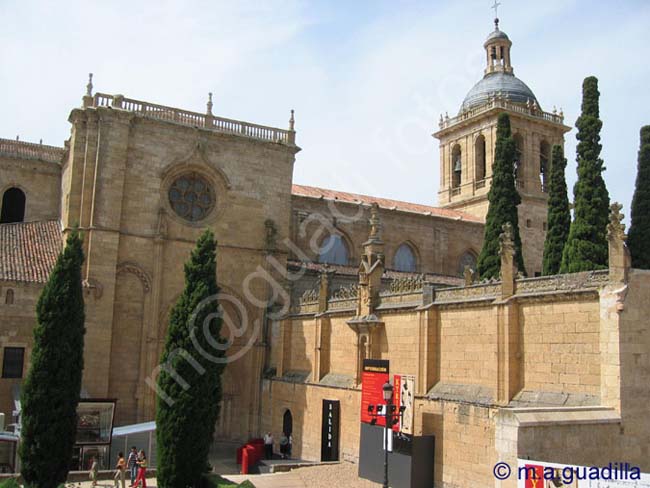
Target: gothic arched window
479	154
333	250
544	156
13	206
519	159
456	166
404	259
467	259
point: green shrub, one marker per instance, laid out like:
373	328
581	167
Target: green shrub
9	483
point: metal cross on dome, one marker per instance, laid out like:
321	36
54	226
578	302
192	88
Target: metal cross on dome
496	7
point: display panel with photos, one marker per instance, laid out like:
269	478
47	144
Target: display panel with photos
95	422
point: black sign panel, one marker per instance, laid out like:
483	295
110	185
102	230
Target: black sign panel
330	434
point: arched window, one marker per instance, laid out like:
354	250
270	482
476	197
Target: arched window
456	166
519	159
467	259
404	259
333	250
13	206
479	157
544	156
9	297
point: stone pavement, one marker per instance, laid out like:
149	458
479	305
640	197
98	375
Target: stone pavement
271	480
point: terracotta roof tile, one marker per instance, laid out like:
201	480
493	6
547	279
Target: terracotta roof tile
314	192
28	250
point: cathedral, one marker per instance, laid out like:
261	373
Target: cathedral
314	282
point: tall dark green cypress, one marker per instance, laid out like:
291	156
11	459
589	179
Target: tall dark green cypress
639	234
503	200
51	392
189	383
558	215
586	247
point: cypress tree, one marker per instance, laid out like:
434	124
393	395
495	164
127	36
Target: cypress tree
586	247
189	383
558	216
639	234
503	200
51	391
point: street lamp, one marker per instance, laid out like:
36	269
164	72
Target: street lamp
388	398
388	411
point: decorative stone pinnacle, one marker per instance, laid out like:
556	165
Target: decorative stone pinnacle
441	122
375	223
616	227
292	121
209	105
18	137
506	239
89	86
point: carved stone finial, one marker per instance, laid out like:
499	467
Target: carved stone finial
554	110
209	104
18	137
40	142
616	227
441	122
446	115
292	121
561	114
506	239
468	275
375	223
89	86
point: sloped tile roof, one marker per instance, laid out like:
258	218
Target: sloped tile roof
28	250
315	192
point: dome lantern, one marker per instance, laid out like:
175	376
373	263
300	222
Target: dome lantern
497	50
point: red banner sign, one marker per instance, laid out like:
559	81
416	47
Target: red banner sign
373	378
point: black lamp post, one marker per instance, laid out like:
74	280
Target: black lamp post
388	411
388	398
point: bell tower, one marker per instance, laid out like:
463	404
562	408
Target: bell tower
467	144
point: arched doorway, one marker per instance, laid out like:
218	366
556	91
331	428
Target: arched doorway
13	206
287	423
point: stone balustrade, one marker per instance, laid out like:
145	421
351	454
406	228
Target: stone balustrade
195	119
446	122
29	150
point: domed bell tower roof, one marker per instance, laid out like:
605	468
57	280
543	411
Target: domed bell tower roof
499	79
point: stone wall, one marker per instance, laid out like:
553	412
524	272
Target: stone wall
553	369
438	243
17	320
39	180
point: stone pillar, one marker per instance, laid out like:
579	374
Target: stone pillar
371	267
508	264
619	255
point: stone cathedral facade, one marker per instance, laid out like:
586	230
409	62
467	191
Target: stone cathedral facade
314	281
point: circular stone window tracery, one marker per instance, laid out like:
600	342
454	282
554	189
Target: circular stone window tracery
191	196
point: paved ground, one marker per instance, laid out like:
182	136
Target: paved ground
342	475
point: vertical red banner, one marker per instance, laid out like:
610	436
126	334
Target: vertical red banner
397	391
534	476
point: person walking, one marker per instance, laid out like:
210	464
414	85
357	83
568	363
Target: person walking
132	464
94	471
142	470
268	446
120	467
284	445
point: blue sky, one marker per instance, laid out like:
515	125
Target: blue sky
368	79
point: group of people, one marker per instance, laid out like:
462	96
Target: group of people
136	463
286	442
